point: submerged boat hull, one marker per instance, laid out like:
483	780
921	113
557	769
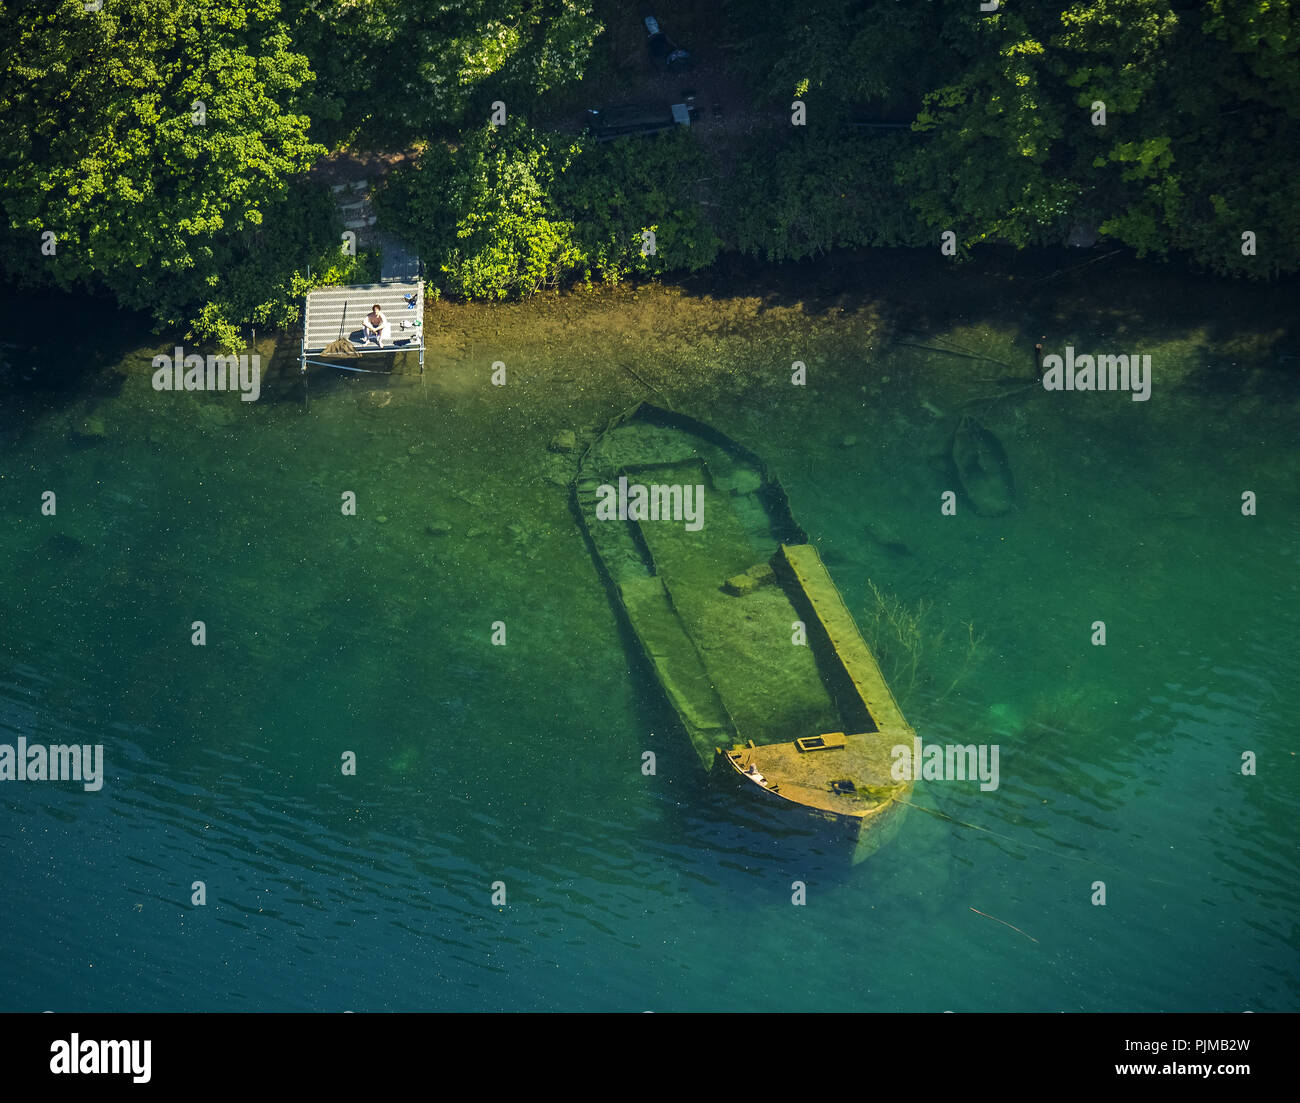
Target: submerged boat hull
744	629
983	469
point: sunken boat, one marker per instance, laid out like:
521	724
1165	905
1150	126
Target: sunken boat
747	635
982	468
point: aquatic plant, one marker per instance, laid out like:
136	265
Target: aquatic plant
1064	711
894	632
969	660
912	648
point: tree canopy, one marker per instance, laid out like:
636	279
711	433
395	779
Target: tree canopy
393	71
158	149
154	139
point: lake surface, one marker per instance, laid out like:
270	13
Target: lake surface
521	763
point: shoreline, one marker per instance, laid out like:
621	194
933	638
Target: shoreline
976	321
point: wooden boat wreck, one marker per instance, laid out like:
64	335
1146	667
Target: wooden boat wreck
747	634
982	469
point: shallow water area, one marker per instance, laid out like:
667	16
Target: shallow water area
477	763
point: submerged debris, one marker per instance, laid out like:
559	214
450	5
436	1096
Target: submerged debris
982	468
563	441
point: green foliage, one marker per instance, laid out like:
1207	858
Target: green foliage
98	146
984	170
1264	36
817	192
335	268
845	50
391	71
261	274
1202	150
614	191
482	216
211	227
1202	105
511	211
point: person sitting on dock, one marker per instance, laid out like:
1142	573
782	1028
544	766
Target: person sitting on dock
375	325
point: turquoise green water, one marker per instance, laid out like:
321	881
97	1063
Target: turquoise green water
522	763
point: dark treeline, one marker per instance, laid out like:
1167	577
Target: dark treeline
159	149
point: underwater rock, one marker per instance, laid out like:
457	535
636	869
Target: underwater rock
63	546
740	585
849	441
438	528
760	574
982	468
745	482
89	430
564	441
882	534
557	470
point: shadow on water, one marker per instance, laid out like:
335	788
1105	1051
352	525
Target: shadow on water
57	343
1057	293
60	352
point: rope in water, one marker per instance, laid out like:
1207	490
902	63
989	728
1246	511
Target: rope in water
1004	923
363	371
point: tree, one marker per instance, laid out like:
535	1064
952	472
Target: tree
836	52
818	191
988	169
156	140
617	191
482	214
1201	118
394	71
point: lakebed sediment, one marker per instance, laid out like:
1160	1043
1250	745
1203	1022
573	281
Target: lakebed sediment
373	632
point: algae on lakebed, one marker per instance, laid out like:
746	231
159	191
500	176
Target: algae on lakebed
474	493
328	633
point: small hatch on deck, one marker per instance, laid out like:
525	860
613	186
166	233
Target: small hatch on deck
843	786
826	742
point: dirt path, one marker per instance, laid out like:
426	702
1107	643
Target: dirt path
347	166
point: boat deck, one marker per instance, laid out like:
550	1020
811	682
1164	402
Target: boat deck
679	666
714	608
817	778
841	633
850	775
769	686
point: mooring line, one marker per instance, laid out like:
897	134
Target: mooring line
1004	923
